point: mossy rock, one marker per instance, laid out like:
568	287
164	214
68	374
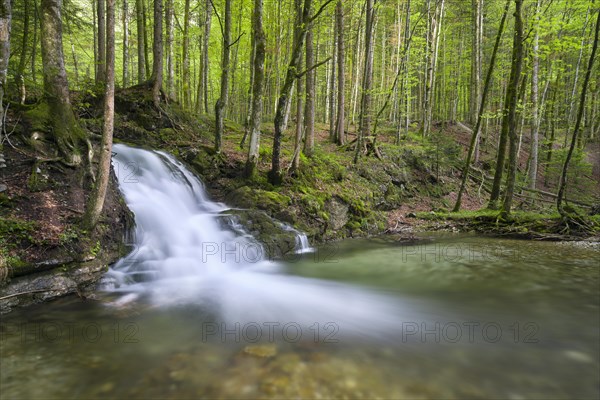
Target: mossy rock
273	235
247	197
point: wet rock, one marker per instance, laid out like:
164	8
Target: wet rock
277	241
44	286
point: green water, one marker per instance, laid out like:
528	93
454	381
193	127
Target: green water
479	318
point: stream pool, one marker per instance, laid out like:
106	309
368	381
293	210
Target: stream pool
450	317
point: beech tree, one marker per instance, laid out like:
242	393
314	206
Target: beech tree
96	200
66	131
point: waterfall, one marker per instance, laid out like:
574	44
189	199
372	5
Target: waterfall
183	255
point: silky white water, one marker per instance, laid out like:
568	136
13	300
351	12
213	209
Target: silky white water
183	255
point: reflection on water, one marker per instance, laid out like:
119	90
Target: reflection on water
499	319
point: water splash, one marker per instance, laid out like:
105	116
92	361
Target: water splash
183	255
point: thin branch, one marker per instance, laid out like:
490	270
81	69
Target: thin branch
301	74
320	11
236	40
218	17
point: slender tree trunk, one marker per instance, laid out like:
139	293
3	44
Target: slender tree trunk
260	44
535	101
299	92
476	57
486	88
187	93
34	42
511	97
66	130
332	84
139	8
205	60
101	57
275	175
223	99
340	136
169	13
96	201
5	25
20	76
146	40
157	52
309	118
367	83
586	81
125	44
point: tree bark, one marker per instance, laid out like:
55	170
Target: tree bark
223	99
96	201
170	52
205	61
101	55
340	136
535	101
515	73
309	108
5	25
299	94
260	44
275	175
187	94
141	43
20	76
125	17
65	128
157	51
586	81
367	82
486	88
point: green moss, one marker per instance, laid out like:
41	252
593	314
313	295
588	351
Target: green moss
38	117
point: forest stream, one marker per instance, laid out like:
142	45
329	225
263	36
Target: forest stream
198	310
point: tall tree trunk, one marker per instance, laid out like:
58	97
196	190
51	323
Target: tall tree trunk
367	82
435	24
309	114
5	25
101	57
586	81
260	43
275	175
65	128
511	119
340	136
96	201
486	88
205	60
125	44
146	40
157	52
223	99
535	101
20	76
331	96
34	42
169	13
299	92
187	94
141	43
476	57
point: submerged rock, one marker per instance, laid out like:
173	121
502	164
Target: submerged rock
277	239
